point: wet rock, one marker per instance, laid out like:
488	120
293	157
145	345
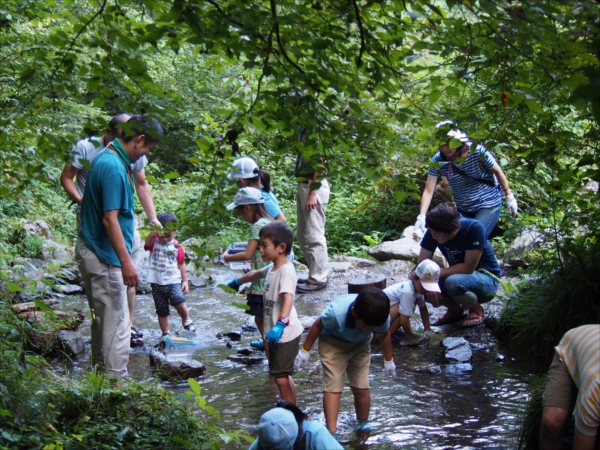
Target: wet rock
412	340
229	345
248	360
459	368
179	370
458	350
478	346
70	273
431	368
198	283
339	266
246	351
72	343
307	321
300	267
70	289
250	325
55	252
232	335
491	322
500	358
57	319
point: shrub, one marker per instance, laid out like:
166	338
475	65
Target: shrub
563	294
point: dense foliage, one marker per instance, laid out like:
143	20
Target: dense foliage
367	79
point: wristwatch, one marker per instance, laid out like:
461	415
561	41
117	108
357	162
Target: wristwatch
284	319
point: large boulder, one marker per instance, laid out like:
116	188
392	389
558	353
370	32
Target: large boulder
406	248
55	253
457	349
40	228
176	370
526	242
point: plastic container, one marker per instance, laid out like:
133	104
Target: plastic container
179	349
238	247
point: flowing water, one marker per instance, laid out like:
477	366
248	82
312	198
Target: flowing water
426	406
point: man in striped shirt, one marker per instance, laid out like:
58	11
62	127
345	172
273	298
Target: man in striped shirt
576	367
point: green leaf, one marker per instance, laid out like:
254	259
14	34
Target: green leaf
479	135
43	307
27	74
243	306
14	288
203	144
533	105
4	412
171	176
195	386
434	96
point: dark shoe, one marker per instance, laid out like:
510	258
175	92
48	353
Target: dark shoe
189	325
302	280
310	287
136	339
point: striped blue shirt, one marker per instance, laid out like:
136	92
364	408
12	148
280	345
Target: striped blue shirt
470	193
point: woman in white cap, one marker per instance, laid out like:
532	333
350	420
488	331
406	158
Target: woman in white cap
247	174
477	181
286	427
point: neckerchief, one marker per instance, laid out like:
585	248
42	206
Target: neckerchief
115	146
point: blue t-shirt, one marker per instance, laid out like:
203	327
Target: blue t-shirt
108	188
317	437
470	236
341	324
469	192
271	203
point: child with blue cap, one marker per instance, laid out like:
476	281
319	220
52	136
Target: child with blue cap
286	427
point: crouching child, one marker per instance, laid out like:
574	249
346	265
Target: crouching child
282	327
344	330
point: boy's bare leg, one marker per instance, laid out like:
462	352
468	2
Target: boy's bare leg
260	324
131	303
163	322
331	408
362	403
405	324
287	388
182	310
394	325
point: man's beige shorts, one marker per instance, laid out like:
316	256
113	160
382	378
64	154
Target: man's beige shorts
560	390
339	357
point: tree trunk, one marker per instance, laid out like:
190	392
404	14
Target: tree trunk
358	284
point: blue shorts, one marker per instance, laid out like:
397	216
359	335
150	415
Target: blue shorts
165	295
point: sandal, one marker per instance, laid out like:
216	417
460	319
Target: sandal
473	321
448	317
136	339
189	326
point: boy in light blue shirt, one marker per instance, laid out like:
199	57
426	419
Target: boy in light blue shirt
344	330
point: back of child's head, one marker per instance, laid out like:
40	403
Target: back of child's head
165	218
372	306
278	233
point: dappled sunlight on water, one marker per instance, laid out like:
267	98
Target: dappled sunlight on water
424	407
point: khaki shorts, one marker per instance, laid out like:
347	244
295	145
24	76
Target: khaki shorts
281	358
560	390
339	357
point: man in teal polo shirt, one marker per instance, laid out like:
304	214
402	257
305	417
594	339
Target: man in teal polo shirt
106	241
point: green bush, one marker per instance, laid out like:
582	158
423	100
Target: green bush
562	294
531	419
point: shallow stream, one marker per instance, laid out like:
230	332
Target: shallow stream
425	406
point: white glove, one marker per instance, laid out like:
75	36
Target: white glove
511	205
429	334
389	368
301	359
420	224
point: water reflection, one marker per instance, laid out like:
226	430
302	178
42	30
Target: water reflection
424	407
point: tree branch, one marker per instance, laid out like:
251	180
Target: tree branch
362	34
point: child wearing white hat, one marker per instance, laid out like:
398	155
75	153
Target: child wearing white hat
406	295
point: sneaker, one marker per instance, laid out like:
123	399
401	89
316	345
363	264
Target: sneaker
397	337
189	325
310	287
364	426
